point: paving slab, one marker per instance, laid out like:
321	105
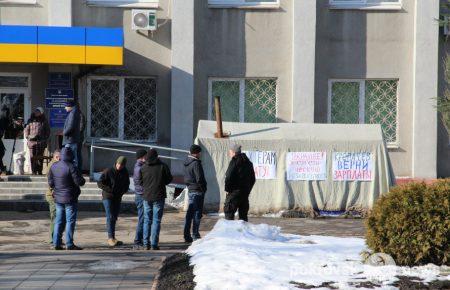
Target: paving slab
26	261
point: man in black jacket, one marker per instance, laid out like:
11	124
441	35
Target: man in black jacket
154	176
194	178
114	183
71	131
239	181
5	123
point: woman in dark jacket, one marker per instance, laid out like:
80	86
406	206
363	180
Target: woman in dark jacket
114	183
37	133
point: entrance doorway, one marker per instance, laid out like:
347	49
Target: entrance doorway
15	94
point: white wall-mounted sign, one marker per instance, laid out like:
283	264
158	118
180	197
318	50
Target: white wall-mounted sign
306	165
264	163
352	166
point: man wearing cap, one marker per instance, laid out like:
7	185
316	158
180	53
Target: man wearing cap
195	181
71	131
114	183
139	201
154	177
37	133
239	181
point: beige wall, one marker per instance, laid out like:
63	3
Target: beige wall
25	14
355	44
243	43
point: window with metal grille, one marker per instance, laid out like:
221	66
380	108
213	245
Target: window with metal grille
122	108
365	102
244	100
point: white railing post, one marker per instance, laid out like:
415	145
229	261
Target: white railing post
91	161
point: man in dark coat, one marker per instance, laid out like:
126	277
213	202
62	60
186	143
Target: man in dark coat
194	178
154	176
114	183
239	181
65	181
139	201
71	131
82	133
5	123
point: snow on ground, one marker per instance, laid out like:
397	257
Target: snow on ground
239	255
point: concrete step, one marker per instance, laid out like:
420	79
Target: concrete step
38	184
33	178
40	195
32	190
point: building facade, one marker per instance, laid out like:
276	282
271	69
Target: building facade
324	61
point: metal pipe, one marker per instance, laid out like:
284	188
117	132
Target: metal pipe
91	161
219	133
132	152
144	145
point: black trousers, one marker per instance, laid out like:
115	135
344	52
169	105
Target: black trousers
236	201
2	153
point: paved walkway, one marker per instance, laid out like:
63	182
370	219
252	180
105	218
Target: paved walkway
26	261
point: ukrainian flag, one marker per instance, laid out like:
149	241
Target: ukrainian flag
18	43
66	45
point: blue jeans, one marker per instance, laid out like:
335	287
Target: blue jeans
153	212
193	215
112	209
138	239
67	212
74	148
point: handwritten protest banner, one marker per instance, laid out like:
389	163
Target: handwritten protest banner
352	166
264	163
306	165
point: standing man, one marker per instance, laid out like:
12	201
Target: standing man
239	181
195	181
50	199
5	122
71	131
114	183
37	133
65	181
80	143
138	190
154	177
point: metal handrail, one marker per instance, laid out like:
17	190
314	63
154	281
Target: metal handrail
144	145
93	147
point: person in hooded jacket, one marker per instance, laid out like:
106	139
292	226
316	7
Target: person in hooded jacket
140	160
154	176
37	133
239	181
65	180
114	183
5	123
194	178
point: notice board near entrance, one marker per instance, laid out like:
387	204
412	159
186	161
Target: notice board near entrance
311	166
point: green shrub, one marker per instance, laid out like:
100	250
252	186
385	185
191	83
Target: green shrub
412	224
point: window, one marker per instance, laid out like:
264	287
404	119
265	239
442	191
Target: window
365	102
244	3
125	3
244	100
122	108
366	4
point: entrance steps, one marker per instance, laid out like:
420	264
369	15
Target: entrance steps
27	193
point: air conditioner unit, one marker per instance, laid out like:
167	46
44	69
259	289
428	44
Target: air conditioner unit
143	19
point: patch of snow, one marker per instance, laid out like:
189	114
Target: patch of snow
111	266
240	255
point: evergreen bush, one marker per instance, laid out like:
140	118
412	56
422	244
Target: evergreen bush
412	224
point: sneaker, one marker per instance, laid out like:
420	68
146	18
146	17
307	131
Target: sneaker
118	243
147	247
74	248
138	247
155	248
58	248
112	242
188	240
197	238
